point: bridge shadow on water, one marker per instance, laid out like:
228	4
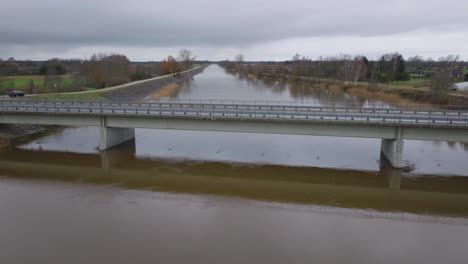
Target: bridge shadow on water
387	190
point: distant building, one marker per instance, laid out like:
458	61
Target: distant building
463	86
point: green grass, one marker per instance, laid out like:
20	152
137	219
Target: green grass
413	82
87	89
67	83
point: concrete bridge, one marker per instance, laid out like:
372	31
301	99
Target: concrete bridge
118	120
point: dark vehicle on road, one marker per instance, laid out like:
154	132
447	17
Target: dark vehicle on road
15	93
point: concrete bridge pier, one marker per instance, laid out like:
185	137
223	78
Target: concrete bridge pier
392	150
111	137
118	154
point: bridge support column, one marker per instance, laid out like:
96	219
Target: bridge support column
111	137
392	150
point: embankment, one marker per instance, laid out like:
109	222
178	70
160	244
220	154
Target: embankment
127	92
138	91
166	91
390	94
10	132
133	91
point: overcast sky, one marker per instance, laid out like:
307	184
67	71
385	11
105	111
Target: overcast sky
217	30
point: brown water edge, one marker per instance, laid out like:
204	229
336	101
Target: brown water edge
169	90
398	96
384	191
4	143
46	131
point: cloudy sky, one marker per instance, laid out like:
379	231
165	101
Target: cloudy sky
217	29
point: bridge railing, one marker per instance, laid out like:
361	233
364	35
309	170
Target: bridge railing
415	108
304	102
245	110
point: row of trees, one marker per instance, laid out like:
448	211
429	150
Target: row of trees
100	71
441	73
183	62
106	70
390	67
9	67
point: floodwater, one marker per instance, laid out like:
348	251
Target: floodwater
204	197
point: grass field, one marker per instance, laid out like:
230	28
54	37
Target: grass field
67	83
413	82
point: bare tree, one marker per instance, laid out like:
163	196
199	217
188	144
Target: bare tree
186	57
359	68
442	79
239	59
345	72
102	70
297	64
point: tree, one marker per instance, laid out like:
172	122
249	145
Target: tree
360	68
296	64
346	69
54	66
106	70
399	69
170	66
466	77
239	59
392	68
9	67
442	80
186	57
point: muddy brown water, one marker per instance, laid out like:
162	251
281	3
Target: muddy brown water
202	197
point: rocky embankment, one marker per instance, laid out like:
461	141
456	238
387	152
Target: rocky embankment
11	132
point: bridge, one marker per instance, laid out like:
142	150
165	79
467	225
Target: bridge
118	120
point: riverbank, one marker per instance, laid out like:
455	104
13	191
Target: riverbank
397	95
126	92
9	133
166	91
155	87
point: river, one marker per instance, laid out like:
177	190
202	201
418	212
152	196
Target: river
204	197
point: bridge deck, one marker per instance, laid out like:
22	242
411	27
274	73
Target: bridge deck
245	111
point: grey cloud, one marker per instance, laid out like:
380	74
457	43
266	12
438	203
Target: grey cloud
242	23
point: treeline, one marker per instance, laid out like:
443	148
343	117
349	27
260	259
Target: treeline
441	73
388	68
183	62
100	71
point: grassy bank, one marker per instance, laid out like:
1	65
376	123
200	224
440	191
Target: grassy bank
412	92
91	94
413	82
65	83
